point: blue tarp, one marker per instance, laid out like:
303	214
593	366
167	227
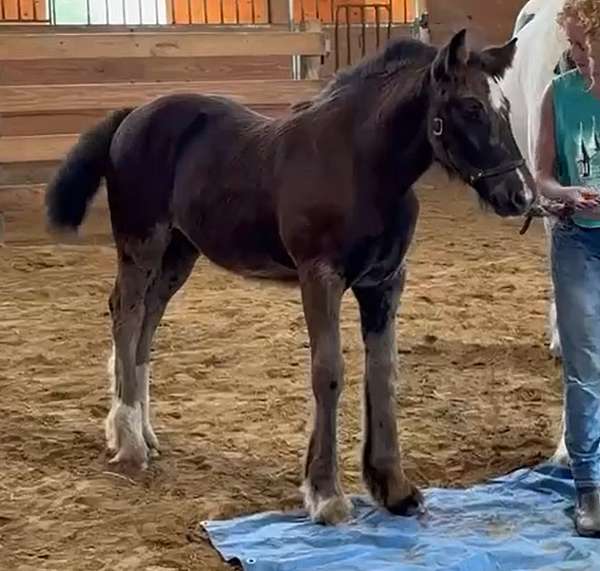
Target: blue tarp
516	522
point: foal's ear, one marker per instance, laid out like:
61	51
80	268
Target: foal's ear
450	58
496	60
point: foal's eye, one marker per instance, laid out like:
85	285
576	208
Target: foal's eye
473	109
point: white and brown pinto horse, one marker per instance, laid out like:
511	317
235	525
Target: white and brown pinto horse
542	51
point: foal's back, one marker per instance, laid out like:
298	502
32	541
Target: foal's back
203	165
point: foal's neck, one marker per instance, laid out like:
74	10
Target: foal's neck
406	153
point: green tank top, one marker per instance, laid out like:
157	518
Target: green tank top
577	136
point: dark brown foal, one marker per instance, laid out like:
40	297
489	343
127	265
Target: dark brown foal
323	195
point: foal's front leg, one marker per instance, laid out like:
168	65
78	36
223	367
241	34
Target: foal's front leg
382	466
322	291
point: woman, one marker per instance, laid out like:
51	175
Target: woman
568	170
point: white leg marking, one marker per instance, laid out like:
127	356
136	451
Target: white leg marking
329	511
112	373
561	455
109	427
127	423
143	376
555	347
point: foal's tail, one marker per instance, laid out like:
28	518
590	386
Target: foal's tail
78	178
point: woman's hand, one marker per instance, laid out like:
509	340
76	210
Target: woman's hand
581	198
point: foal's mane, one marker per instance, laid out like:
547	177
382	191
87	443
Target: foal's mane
397	72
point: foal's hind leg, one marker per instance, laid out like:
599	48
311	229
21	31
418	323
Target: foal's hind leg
138	264
382	466
322	291
177	264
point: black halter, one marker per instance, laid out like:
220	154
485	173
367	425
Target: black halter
475	175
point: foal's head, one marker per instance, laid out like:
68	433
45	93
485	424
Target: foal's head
469	126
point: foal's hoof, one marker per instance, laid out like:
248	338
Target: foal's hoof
125	437
130	458
411	504
326	510
392	490
330	511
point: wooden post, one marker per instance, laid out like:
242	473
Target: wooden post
310	66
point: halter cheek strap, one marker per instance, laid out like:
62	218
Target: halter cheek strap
474	176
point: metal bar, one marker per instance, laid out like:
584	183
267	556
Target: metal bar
363	31
107	10
336	28
389	24
140	12
377	31
156	16
348	37
124	12
88	12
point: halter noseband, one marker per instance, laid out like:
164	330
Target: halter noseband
475	176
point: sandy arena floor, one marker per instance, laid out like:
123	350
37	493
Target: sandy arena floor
479	393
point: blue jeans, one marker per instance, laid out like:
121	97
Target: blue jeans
576	277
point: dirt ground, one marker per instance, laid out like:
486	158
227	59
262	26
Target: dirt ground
479	394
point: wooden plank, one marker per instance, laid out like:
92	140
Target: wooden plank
10	9
106	70
261	11
229	11
26	173
54	123
172	45
47	98
51	148
213	12
34	149
309	11
198	15
246	11
45	29
49	123
325	11
26	9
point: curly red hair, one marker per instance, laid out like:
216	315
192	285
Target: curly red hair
585	11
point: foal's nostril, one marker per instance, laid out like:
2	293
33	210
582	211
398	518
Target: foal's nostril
522	200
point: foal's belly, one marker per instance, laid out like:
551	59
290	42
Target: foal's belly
237	230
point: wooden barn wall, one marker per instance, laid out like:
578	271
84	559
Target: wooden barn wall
488	21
